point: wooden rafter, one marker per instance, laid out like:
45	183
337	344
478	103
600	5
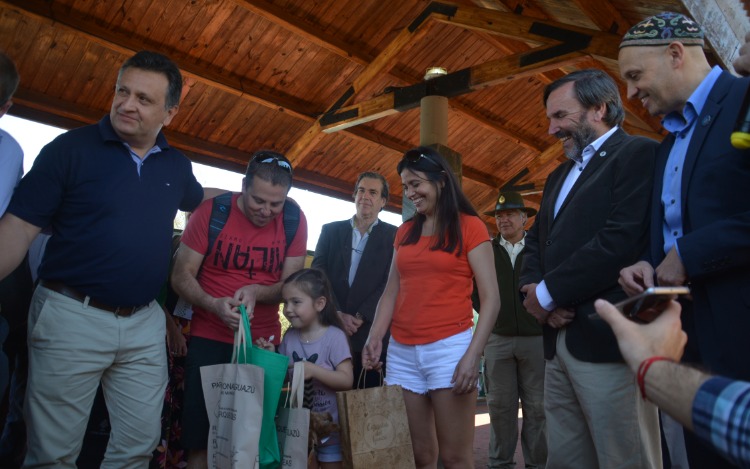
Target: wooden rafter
346	50
463	81
42	11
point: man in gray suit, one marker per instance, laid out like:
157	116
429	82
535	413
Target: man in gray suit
356	256
592	221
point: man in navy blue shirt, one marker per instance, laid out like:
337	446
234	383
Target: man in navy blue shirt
109	192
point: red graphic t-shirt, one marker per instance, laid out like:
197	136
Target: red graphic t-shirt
243	254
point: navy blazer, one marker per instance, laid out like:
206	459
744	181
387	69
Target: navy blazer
333	255
601	227
715	246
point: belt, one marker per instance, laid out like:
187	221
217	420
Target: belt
65	290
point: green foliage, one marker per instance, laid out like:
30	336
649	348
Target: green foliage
284	323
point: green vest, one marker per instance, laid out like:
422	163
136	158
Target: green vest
513	319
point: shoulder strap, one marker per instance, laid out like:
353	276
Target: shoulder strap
222	205
291	220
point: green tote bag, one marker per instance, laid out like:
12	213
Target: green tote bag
275	367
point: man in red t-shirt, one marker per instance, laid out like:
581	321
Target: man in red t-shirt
246	265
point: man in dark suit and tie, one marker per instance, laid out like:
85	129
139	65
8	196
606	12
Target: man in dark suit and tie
700	213
356	255
591	223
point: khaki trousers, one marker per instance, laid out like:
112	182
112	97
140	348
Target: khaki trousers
596	417
72	348
514	367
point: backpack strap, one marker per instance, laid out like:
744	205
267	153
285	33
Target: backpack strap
291	220
222	205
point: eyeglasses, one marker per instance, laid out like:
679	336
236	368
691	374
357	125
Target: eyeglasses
413	157
265	157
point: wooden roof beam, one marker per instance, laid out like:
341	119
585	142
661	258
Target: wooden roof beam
535	31
454	84
107	39
292	23
714	16
379	64
608	19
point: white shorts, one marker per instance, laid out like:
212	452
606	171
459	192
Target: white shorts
426	367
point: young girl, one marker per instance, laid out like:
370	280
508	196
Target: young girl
316	337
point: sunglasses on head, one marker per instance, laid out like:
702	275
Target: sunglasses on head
413	157
270	158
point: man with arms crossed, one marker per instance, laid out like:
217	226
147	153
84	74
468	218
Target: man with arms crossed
591	223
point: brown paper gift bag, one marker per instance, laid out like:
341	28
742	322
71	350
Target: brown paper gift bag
234	400
293	424
374	428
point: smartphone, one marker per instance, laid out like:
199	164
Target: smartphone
646	306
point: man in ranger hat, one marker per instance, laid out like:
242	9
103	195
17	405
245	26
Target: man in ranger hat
699	220
514	354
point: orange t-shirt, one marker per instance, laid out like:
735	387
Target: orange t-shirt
434	298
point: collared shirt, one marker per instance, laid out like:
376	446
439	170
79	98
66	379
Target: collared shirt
512	249
137	159
542	293
96	206
721	416
681	125
359	241
575	171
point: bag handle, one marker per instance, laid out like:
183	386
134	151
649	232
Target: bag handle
242	339
363	374
297	391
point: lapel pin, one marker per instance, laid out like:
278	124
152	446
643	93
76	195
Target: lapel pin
706	120
603	153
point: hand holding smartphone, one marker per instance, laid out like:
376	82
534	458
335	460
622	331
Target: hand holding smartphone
647	306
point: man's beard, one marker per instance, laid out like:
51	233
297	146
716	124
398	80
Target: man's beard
581	136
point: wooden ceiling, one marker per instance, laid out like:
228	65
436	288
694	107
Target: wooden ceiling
335	84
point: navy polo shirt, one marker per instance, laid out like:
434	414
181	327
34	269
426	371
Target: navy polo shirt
111	227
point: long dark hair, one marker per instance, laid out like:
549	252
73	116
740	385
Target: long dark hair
451	201
314	283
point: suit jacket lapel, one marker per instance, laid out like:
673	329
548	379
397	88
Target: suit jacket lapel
556	187
346	245
703	125
596	161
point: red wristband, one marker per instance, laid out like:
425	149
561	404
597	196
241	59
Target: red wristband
643	369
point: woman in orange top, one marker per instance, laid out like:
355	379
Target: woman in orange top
432	352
